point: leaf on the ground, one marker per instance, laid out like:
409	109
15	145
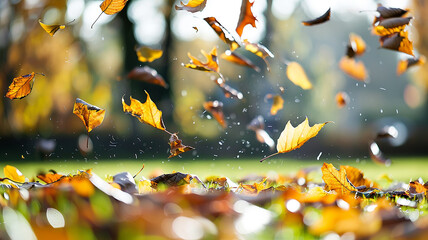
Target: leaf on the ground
176	146
110	190
321	19
172	179
377	156
390	26
82	186
49	177
336	180
246	16
405	64
148	75
356	177
51	29
228	91
416	187
146	112
92	116
353	68
222	33
126	182
110	7
297	75
192	6
145	187
239	59
356	46
215	108
21	86
397	42
210	66
146	54
258	126
254	188
13	174
342	99
277	103
259	50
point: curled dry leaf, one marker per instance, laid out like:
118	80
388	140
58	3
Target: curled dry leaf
356	46
292	138
146	112
397	42
239	59
21	86
172	179
13	174
216	109
297	75
52	29
146	54
377	156
353	68
390	26
277	103
228	91
386	12
336	180
258	126
259	50
210	66
323	18
92	116
176	146
222	32
246	16
192	6
356	177
404	64
110	7
147	75
342	99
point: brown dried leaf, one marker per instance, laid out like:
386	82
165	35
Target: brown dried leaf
148	75
246	16
397	42
323	18
390	26
176	146
405	64
216	109
342	99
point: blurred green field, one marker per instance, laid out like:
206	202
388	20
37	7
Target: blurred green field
401	169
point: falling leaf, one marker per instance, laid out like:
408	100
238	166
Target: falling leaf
353	68
228	91
356	177
21	86
386	12
192	6
210	66
297	75
148	75
292	138
110	7
196	29
342	99
377	156
146	112
176	146
146	54
356	46
277	103
404	64
216	109
258	126
239	59
13	174
92	116
222	32
259	50
390	26
52	29
246	16
336	180
323	18
397	42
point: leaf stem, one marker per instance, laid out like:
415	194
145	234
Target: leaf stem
269	156
167	132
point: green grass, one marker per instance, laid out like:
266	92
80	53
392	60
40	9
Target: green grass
402	169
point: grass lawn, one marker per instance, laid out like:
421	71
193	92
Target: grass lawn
401	169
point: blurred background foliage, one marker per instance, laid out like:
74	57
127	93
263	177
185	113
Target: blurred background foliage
92	64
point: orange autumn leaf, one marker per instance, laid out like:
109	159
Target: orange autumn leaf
51	29
259	50
254	188
246	16
21	86
397	42
92	116
356	45
110	7
390	26
210	66
258	126
147	75
192	6
13	174
50	177
222	33
146	112
336	180
356	177
297	75
323	18
146	54
416	187
176	146
353	68
405	64
342	99
82	186
277	103
239	59
292	138
216	109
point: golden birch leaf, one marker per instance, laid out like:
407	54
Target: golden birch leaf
146	54
146	112
51	29
92	116
111	7
20	86
297	75
13	174
336	180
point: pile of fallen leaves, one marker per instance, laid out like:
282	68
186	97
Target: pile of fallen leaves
182	206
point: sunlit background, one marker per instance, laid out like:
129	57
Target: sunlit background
92	64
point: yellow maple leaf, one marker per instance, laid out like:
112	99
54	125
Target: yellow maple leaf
145	112
336	180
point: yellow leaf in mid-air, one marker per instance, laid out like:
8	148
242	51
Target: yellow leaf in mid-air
92	116
336	180
192	6
111	7
20	86
51	29
145	112
294	137
146	54
297	75
210	66
353	68
278	104
13	174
